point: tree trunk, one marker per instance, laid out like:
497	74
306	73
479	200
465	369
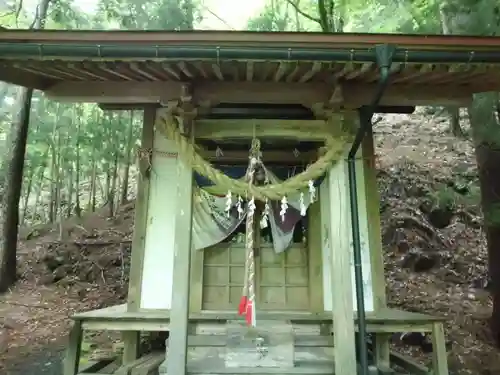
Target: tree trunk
10	209
106	191
112	186
52	213
298	26
27	194
34	215
128	152
94	184
486	135
188	14
70	192
59	185
41	174
453	111
455	127
10	217
78	209
488	162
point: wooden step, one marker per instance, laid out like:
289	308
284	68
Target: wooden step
301	368
144	365
103	367
299	340
149	366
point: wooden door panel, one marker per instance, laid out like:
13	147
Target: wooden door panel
223	274
283	282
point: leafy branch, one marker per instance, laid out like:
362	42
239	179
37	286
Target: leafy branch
296	6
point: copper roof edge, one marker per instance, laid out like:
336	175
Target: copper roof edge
214	37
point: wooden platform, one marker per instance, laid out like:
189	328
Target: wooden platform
382	324
148	365
117	318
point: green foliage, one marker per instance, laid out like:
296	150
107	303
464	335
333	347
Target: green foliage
274	17
63	134
65	15
492	215
77	151
473	198
158	14
479	17
444	198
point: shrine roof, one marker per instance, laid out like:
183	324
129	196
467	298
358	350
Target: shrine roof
42	59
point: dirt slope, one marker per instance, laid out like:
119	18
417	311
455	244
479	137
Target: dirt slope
85	270
434	251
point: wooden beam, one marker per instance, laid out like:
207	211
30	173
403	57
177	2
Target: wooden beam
315	261
73	350
267	156
212	92
339	238
308	94
439	354
125	106
305	130
131	341
357	95
403	109
372	199
23	78
141	214
179	312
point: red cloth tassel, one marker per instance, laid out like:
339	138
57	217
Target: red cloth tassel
249	313
242	308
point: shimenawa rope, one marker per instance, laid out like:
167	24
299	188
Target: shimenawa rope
169	126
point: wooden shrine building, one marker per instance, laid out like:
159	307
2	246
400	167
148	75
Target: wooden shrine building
257	232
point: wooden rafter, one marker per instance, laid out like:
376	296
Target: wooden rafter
349	95
337	85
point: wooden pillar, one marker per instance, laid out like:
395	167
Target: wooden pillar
340	260
179	313
141	213
131	341
73	351
374	228
439	354
314	243
382	340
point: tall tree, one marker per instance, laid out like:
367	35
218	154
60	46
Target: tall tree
159	14
12	189
275	16
454	112
330	15
482	17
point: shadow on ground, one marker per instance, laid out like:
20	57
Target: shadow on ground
45	362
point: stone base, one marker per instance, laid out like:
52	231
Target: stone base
270	344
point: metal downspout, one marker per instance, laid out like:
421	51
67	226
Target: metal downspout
384	54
